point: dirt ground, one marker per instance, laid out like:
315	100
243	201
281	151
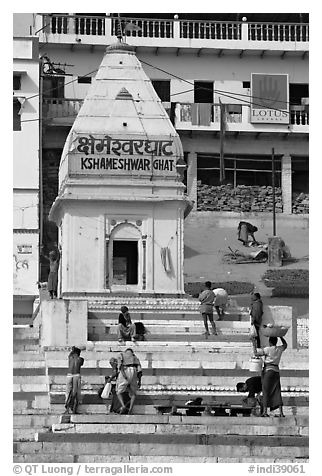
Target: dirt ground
206	242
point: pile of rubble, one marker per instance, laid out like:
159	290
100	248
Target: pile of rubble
300	203
243	198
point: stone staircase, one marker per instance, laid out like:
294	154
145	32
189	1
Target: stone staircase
178	364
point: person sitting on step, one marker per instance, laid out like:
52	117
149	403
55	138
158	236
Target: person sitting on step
126	330
129	378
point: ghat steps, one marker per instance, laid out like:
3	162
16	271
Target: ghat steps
174	371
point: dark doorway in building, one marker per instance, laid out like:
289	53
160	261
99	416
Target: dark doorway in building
125	262
162	88
297	92
300	175
203	92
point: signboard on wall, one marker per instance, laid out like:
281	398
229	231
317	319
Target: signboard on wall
103	155
269	98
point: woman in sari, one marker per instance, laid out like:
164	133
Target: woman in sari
129	378
271	382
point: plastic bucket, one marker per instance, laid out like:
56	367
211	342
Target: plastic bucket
255	365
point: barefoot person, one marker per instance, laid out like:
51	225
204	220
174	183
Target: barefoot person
206	299
221	299
129	378
246	229
256	315
126	330
54	259
271	382
73	382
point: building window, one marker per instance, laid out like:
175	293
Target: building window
16	82
53	86
84	79
203	92
246	84
297	92
162	88
16	115
239	170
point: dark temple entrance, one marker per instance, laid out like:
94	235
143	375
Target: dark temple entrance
125	262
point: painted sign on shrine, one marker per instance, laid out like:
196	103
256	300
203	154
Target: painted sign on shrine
104	155
270	98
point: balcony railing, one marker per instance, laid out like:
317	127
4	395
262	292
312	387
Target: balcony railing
146	28
210	30
78	25
61	110
208	114
278	32
64	110
173	28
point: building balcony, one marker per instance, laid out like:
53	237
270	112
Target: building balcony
61	111
190	116
176	33
206	117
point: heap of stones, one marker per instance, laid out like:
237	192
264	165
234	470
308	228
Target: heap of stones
300	203
242	198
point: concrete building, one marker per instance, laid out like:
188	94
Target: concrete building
216	75
25	174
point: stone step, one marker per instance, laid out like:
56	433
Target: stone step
103	366
29	356
25	345
28	434
141	409
154	399
174	445
221	340
33	452
33	421
174	380
176	328
29	365
103	353
183	420
25	333
90	459
230	315
216	427
229	429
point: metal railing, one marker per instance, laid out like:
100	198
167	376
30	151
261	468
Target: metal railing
175	28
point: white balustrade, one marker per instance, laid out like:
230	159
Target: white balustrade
175	28
54	108
278	32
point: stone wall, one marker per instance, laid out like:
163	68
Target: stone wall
300	203
303	332
242	198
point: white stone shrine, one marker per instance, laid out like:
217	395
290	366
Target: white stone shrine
121	201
